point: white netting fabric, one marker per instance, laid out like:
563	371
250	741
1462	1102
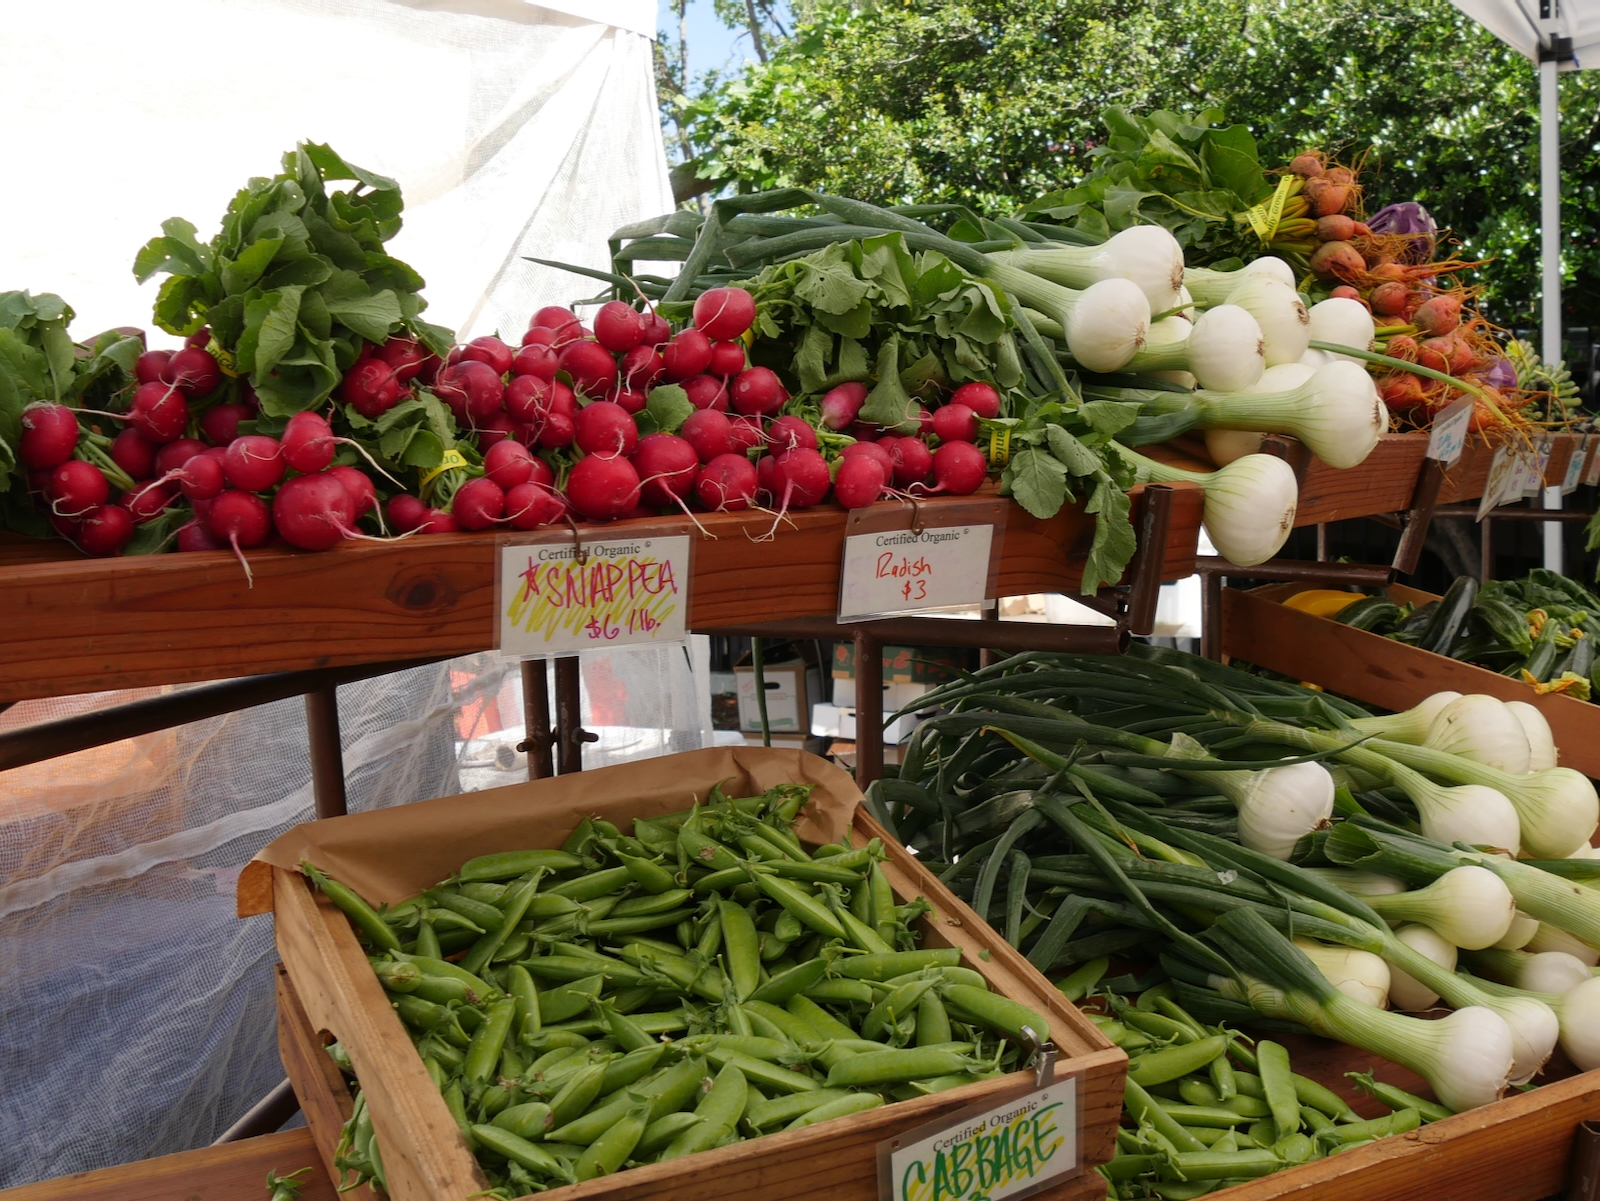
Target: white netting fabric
136	1012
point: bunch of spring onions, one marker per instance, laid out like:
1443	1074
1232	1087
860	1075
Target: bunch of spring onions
1300	859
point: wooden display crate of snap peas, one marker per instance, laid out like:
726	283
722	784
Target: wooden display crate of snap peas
710	974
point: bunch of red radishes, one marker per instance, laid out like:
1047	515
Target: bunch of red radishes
564	427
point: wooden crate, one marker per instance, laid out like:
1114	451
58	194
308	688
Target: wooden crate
425	1155
84	625
1375	670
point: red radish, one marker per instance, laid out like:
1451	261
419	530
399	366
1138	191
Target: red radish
472	389
240	519
313	512
710	433
924	420
862	431
707	392
175	454
405	512
1403	347
643	367
630	399
371	388
860	481
508	464
557	431
758	392
406	356
437	521
603	428
656	330
195	536
193	372
77	487
724	313
538	335
159	412
536	360
790	433
727	483
562	399
527	399
149	367
870	450
687	355
530	505
912	461
254	463
667	467
591	368
955	423
1440	315
618	327
133	454
219	425
745	433
49	436
478	504
148	502
1389	299
727	358
201	478
764	476
602	487
308	443
959	469
841	405
105	531
800	478
490	350
497	428
554	317
200	338
65	527
980	397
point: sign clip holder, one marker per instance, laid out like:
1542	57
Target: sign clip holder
579	551
1044	1059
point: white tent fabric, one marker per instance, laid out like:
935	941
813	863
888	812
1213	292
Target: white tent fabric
1517	23
513	129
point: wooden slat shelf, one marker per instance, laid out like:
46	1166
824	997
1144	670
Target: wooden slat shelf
82	625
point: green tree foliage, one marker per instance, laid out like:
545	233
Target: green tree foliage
997	101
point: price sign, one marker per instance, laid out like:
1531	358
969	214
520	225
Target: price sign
1504	480
993	1151
1535	465
1581	449
900	571
1591	476
1448	436
557	598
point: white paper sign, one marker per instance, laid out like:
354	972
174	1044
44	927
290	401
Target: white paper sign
1535	466
898	571
993	1151
623	593
1448	435
1581	447
1591	476
1503	478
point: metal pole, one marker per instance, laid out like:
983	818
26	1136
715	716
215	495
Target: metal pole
538	738
1550	255
327	752
570	734
869	708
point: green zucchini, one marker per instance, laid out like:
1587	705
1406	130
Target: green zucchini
1440	633
1579	660
1507	625
1377	614
1542	661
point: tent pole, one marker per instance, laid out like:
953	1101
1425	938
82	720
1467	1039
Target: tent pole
1550	259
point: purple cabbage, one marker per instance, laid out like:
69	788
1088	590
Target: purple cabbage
1501	374
1407	217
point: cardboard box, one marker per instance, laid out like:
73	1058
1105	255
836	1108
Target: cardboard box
895	696
792	688
907	664
835	721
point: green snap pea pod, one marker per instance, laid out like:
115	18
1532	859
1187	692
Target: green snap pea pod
632	1067
650	876
773	948
822	1023
430	1018
507	865
1125	1167
738	1021
758	1023
783	839
814	873
783	1110
1195	1091
772	1050
487	947
493	894
577	1094
897	963
703	851
1000	1014
451	1058
1198	1166
650	903
810	912
1263	1133
655	944
1159	1026
483	1055
859	934
1250	1107
1204	1115
894	1067
687	974
1076	985
844	1107
728	1098
1297	1148
741	949
513	949
860	905
796	1029
888	1012
933	1022
567	968
1272	1061
702	1136
1317	1121
1142	1107
625	1032
1222	1078
362	916
559	1038
1325	1100
568	1001
1338	1148
791	982
664	1022
1175	1062
594	885
548	1060
1398	1122
655	835
443	967
950	975
452	923
764	1075
512	1065
1398	1098
610	926
659	1134
550	904
520	1151
529	1120
842	992
757	848
1211	1136
456	1103
721	881
428	941
883	907
397	977
708	943
670	1091
484	916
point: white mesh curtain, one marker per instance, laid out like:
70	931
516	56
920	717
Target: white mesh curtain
136	1012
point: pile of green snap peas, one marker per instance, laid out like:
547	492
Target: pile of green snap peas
634	997
1203	1109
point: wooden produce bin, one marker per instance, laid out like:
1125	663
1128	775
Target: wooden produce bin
390	854
1375	670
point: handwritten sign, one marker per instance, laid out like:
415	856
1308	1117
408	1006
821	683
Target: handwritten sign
1536	465
986	1152
1505	471
621	593
1591	475
900	571
1581	446
1448	435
